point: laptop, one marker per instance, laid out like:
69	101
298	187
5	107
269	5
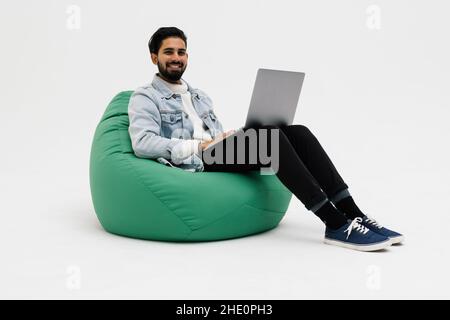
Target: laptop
274	100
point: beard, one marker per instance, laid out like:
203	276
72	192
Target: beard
172	75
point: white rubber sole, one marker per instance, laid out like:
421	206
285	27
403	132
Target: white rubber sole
365	248
398	239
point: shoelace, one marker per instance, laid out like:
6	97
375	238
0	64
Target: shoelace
356	225
373	222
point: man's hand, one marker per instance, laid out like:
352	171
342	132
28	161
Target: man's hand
203	145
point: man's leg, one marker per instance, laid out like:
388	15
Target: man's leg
319	164
315	159
322	168
292	172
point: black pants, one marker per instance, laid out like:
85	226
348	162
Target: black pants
303	165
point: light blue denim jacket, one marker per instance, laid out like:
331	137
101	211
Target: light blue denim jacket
157	115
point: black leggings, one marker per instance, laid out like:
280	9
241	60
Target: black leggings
303	165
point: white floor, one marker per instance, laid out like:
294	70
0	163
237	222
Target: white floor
57	249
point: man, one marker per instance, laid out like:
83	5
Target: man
174	123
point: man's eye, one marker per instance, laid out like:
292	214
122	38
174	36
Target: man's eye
171	52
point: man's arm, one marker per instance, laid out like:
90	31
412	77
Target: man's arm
144	129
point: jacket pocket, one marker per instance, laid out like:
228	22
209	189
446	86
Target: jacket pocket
171	123
209	116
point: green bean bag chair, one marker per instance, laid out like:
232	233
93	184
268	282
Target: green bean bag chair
142	198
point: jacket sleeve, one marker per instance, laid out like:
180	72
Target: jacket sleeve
145	127
184	149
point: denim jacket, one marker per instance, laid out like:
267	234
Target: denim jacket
158	122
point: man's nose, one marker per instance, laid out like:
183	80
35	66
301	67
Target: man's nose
176	57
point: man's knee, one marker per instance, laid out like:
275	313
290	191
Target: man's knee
298	129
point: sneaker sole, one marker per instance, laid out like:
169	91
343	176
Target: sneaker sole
372	247
398	239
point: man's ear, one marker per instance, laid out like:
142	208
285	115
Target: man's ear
154	58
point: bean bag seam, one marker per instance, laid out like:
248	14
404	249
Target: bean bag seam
224	216
153	193
149	187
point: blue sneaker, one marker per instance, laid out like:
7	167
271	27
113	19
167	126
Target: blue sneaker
373	225
355	236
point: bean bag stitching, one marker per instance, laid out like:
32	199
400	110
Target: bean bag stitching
153	193
145	185
245	204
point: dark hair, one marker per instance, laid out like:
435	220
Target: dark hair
162	33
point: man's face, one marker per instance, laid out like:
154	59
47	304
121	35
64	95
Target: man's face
172	59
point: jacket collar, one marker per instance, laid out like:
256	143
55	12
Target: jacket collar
159	85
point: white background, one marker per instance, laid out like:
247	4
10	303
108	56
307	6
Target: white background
377	99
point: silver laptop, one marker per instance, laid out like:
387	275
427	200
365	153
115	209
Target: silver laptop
274	99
